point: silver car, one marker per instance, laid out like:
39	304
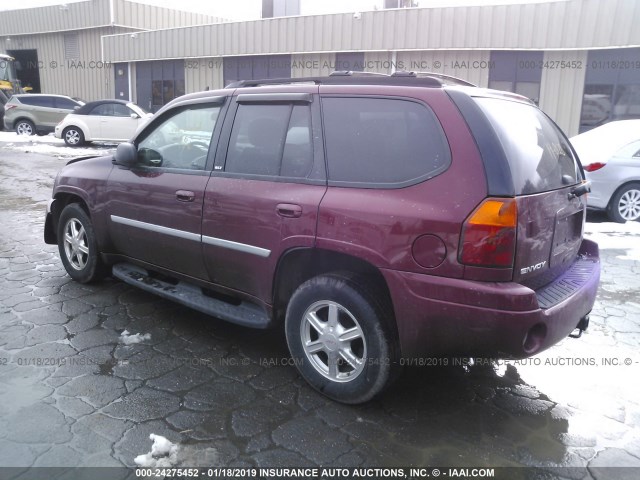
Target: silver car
610	156
34	113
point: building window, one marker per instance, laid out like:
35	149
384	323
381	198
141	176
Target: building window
71	46
353	61
612	87
159	82
517	72
256	67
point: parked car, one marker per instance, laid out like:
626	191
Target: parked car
610	155
103	120
35	113
381	219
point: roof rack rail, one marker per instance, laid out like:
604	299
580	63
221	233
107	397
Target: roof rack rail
448	79
347	78
352	73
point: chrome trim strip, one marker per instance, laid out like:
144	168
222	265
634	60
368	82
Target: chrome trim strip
241	247
156	228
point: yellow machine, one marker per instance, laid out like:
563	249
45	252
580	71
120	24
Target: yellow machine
9	83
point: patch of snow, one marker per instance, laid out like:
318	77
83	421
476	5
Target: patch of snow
616	236
50	145
129	339
163	454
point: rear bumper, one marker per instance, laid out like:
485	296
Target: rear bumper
443	316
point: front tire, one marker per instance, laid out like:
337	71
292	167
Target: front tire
25	127
73	136
78	246
625	204
339	339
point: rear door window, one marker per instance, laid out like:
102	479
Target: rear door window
382	142
538	153
272	140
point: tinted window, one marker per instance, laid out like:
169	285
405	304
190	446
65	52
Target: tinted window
539	155
271	140
38	101
111	110
65	103
382	141
181	140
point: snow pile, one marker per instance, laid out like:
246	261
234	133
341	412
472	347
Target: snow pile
618	236
129	339
163	454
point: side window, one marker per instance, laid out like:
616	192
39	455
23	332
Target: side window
181	140
382	142
120	110
45	102
103	110
272	140
37	101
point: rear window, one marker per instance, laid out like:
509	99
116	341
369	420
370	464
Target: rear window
381	142
539	155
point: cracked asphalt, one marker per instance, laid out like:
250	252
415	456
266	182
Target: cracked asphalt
72	394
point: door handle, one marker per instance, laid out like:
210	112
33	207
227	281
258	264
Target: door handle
185	196
289	210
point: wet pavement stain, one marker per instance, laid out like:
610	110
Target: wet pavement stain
73	394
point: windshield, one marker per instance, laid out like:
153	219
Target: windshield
539	155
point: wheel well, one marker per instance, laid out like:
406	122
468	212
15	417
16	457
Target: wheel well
73	126
25	119
617	190
299	265
62	200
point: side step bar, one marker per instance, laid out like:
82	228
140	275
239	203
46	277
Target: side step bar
245	314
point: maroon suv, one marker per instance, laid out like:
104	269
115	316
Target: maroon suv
379	218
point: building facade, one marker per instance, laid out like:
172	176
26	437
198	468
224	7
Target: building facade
578	59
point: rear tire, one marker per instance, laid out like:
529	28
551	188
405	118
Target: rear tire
25	127
340	340
78	246
625	204
73	136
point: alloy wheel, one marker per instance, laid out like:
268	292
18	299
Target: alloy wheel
333	341
75	244
629	205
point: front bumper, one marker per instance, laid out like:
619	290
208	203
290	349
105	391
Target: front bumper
444	317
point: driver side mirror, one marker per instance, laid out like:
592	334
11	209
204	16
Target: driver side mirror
135	116
126	155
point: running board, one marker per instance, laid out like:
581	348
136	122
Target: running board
245	314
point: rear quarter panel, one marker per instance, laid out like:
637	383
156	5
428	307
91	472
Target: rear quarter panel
381	225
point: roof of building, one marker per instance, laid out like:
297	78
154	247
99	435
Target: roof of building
553	25
95	14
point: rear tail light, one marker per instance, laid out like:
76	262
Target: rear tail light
489	234
8	106
592	167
